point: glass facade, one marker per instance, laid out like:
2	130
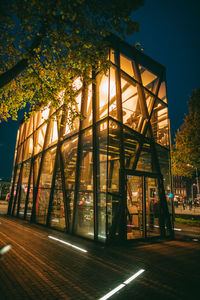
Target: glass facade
108	177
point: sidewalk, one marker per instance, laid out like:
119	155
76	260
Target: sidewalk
39	268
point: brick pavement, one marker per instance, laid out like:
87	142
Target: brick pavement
40	268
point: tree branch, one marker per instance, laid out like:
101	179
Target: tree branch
9	75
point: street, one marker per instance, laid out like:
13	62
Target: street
39	267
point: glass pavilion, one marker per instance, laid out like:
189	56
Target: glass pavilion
108	178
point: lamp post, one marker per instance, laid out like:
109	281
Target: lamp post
197	179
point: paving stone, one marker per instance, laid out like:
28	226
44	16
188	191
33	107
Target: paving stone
40	268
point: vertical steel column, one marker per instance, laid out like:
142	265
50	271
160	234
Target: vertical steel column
20	173
122	183
95	108
144	209
14	173
28	189
79	155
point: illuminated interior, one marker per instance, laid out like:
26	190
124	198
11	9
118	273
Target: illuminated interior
107	177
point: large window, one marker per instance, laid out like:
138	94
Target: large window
84	209
44	188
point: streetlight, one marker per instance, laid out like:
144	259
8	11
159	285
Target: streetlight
197	178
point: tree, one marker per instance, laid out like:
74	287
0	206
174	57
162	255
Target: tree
44	45
186	151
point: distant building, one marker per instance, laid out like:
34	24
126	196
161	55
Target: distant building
108	178
184	188
4	189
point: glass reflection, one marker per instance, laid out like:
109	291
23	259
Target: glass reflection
24	187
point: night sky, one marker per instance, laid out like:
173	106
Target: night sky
170	34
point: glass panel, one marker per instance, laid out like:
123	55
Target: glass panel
15	189
87	108
42	203
149	102
23	132
39	137
21	136
84	214
113	157
19	154
145	159
102	216
86	162
102	179
126	65
53	131
160	124
29	126
102	96
44	115
112	98
148	78
47	168
24	187
164	160
69	154
17	202
132	105
134	207
112	55
131	146
58	211
77	84
152	207
30	199
112	212
70	204
28	150
162	92
42	200
113	176
58	208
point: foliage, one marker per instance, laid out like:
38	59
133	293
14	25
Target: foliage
186	151
45	44
188	222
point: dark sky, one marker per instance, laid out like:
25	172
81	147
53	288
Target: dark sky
170	34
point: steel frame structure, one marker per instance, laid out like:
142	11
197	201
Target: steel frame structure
76	180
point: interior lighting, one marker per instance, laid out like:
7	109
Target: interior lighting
122	285
55	220
66	243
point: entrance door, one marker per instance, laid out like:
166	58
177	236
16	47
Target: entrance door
142	207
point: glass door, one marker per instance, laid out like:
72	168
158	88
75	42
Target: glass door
142	207
152	207
134	207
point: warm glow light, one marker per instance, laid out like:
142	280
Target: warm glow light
68	244
119	287
77	84
55	132
45	113
61	96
